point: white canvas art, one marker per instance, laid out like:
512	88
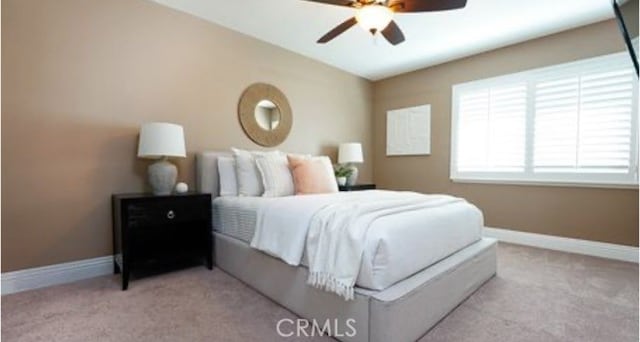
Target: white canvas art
409	131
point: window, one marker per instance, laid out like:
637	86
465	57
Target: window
574	123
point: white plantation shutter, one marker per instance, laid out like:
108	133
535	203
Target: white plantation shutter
573	123
556	122
606	112
583	123
492	129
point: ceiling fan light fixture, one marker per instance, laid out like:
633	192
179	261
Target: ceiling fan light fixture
374	18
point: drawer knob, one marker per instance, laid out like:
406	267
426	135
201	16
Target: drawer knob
171	214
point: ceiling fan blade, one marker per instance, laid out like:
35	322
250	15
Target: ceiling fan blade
393	33
426	5
347	3
337	30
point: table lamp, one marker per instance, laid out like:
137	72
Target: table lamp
350	153
160	140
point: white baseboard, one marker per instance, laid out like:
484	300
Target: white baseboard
586	247
33	278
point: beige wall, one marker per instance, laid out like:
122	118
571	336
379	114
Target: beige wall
595	214
80	76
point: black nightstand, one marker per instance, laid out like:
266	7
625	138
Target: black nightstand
357	187
153	230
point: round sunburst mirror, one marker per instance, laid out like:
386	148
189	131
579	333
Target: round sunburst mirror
265	114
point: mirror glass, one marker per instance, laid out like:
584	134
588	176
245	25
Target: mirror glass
267	115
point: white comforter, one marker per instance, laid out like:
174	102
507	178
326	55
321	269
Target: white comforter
333	230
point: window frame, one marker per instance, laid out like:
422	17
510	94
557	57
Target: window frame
628	179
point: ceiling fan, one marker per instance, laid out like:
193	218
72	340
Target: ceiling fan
377	15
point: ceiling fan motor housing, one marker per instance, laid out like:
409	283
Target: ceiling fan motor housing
377	15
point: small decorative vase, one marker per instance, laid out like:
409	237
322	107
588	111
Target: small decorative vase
341	180
354	176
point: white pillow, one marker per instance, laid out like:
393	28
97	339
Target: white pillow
247	173
276	176
227	176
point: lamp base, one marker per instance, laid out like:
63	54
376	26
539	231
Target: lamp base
162	177
351	180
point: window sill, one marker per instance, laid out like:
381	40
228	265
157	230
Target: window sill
547	183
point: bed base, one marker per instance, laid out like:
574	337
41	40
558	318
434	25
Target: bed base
403	312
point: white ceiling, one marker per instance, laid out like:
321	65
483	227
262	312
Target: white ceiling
431	38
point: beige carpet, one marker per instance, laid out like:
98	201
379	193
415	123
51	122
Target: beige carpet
538	295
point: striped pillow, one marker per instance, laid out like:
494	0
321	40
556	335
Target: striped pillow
276	176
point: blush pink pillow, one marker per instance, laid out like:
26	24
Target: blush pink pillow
312	175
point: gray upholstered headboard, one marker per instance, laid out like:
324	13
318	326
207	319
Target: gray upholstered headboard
207	179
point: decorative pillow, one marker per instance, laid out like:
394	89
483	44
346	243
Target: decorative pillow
247	173
276	176
227	176
312	175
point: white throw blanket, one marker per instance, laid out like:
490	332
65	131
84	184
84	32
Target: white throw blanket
337	236
333	228
282	225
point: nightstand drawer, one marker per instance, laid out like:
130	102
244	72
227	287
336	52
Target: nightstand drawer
164	212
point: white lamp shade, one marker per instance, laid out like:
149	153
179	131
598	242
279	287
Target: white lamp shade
161	139
350	153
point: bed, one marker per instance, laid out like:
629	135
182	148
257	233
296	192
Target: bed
396	298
